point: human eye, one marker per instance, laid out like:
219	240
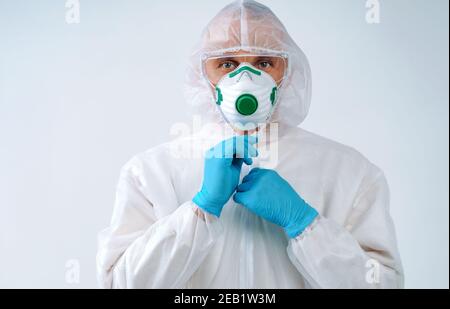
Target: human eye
227	65
264	64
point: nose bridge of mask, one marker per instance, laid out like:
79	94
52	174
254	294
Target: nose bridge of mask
245	70
244	76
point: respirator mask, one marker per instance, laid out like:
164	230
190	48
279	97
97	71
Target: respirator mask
246	87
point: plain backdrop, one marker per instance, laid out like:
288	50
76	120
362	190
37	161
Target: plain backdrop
78	100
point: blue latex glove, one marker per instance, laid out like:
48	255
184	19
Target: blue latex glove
268	195
222	171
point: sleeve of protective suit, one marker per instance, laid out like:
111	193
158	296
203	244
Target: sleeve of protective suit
140	251
361	254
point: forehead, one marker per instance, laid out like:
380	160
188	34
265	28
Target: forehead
238	53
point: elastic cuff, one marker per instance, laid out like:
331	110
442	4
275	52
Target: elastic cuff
298	227
212	208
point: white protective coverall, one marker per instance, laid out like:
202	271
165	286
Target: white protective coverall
158	238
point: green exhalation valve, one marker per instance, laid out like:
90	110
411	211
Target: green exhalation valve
246	104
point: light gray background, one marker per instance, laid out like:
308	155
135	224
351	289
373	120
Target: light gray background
77	101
